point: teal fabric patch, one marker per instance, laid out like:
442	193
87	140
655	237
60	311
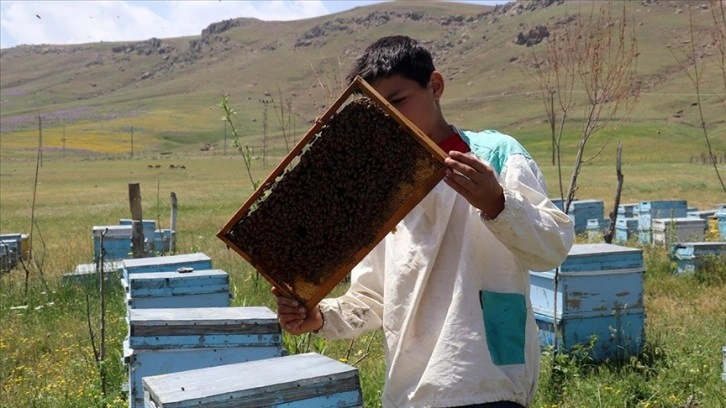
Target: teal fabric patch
505	319
493	147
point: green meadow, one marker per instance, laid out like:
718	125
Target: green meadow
47	357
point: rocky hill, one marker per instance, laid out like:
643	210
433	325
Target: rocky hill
170	87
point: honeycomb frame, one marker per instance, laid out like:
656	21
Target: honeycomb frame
420	189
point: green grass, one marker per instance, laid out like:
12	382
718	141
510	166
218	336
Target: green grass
45	352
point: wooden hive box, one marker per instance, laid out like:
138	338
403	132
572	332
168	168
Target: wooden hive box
629	210
163	341
625	229
594	280
599	292
667	231
195	288
619	335
197	260
689	256
583	210
117	242
297	381
649	210
163	241
720	216
347	183
21	242
88	272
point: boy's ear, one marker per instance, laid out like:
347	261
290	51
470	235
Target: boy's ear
437	84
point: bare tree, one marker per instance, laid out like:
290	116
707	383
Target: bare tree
593	53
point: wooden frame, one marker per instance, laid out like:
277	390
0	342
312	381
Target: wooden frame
421	190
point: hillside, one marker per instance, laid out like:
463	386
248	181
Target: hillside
161	95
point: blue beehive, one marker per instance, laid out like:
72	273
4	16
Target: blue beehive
721	217
170	263
163	241
299	381
148	227
595	229
195	288
583	210
649	210
625	229
623	330
628	210
116	241
164	341
689	256
600	287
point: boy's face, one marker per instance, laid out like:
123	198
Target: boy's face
418	104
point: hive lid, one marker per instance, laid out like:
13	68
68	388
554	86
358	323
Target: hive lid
195	320
601	257
170	260
358	171
308	379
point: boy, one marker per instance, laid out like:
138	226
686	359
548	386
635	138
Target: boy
450	286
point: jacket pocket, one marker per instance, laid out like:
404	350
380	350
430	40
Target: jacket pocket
505	319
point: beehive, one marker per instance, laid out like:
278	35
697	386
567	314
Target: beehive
163	341
583	210
667	231
599	292
195	288
89	272
626	229
302	380
629	210
346	184
196	260
116	242
721	223
649	210
689	256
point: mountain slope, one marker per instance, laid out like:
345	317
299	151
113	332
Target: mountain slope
164	92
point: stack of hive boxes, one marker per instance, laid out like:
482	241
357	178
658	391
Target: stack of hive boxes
186	343
599	293
179	319
650	210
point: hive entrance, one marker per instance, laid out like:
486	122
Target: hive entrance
348	182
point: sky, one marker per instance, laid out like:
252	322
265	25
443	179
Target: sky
74	22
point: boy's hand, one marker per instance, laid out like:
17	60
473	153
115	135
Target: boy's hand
293	316
476	181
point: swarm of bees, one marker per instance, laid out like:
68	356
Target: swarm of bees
323	214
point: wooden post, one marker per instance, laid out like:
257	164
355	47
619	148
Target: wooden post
608	236
137	231
172	223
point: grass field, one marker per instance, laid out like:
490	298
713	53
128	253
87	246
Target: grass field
45	352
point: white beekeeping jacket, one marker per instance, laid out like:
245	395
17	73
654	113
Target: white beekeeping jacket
451	289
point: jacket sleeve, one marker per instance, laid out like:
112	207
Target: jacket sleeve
360	309
538	233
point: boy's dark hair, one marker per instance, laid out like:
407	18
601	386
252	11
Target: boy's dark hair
394	55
